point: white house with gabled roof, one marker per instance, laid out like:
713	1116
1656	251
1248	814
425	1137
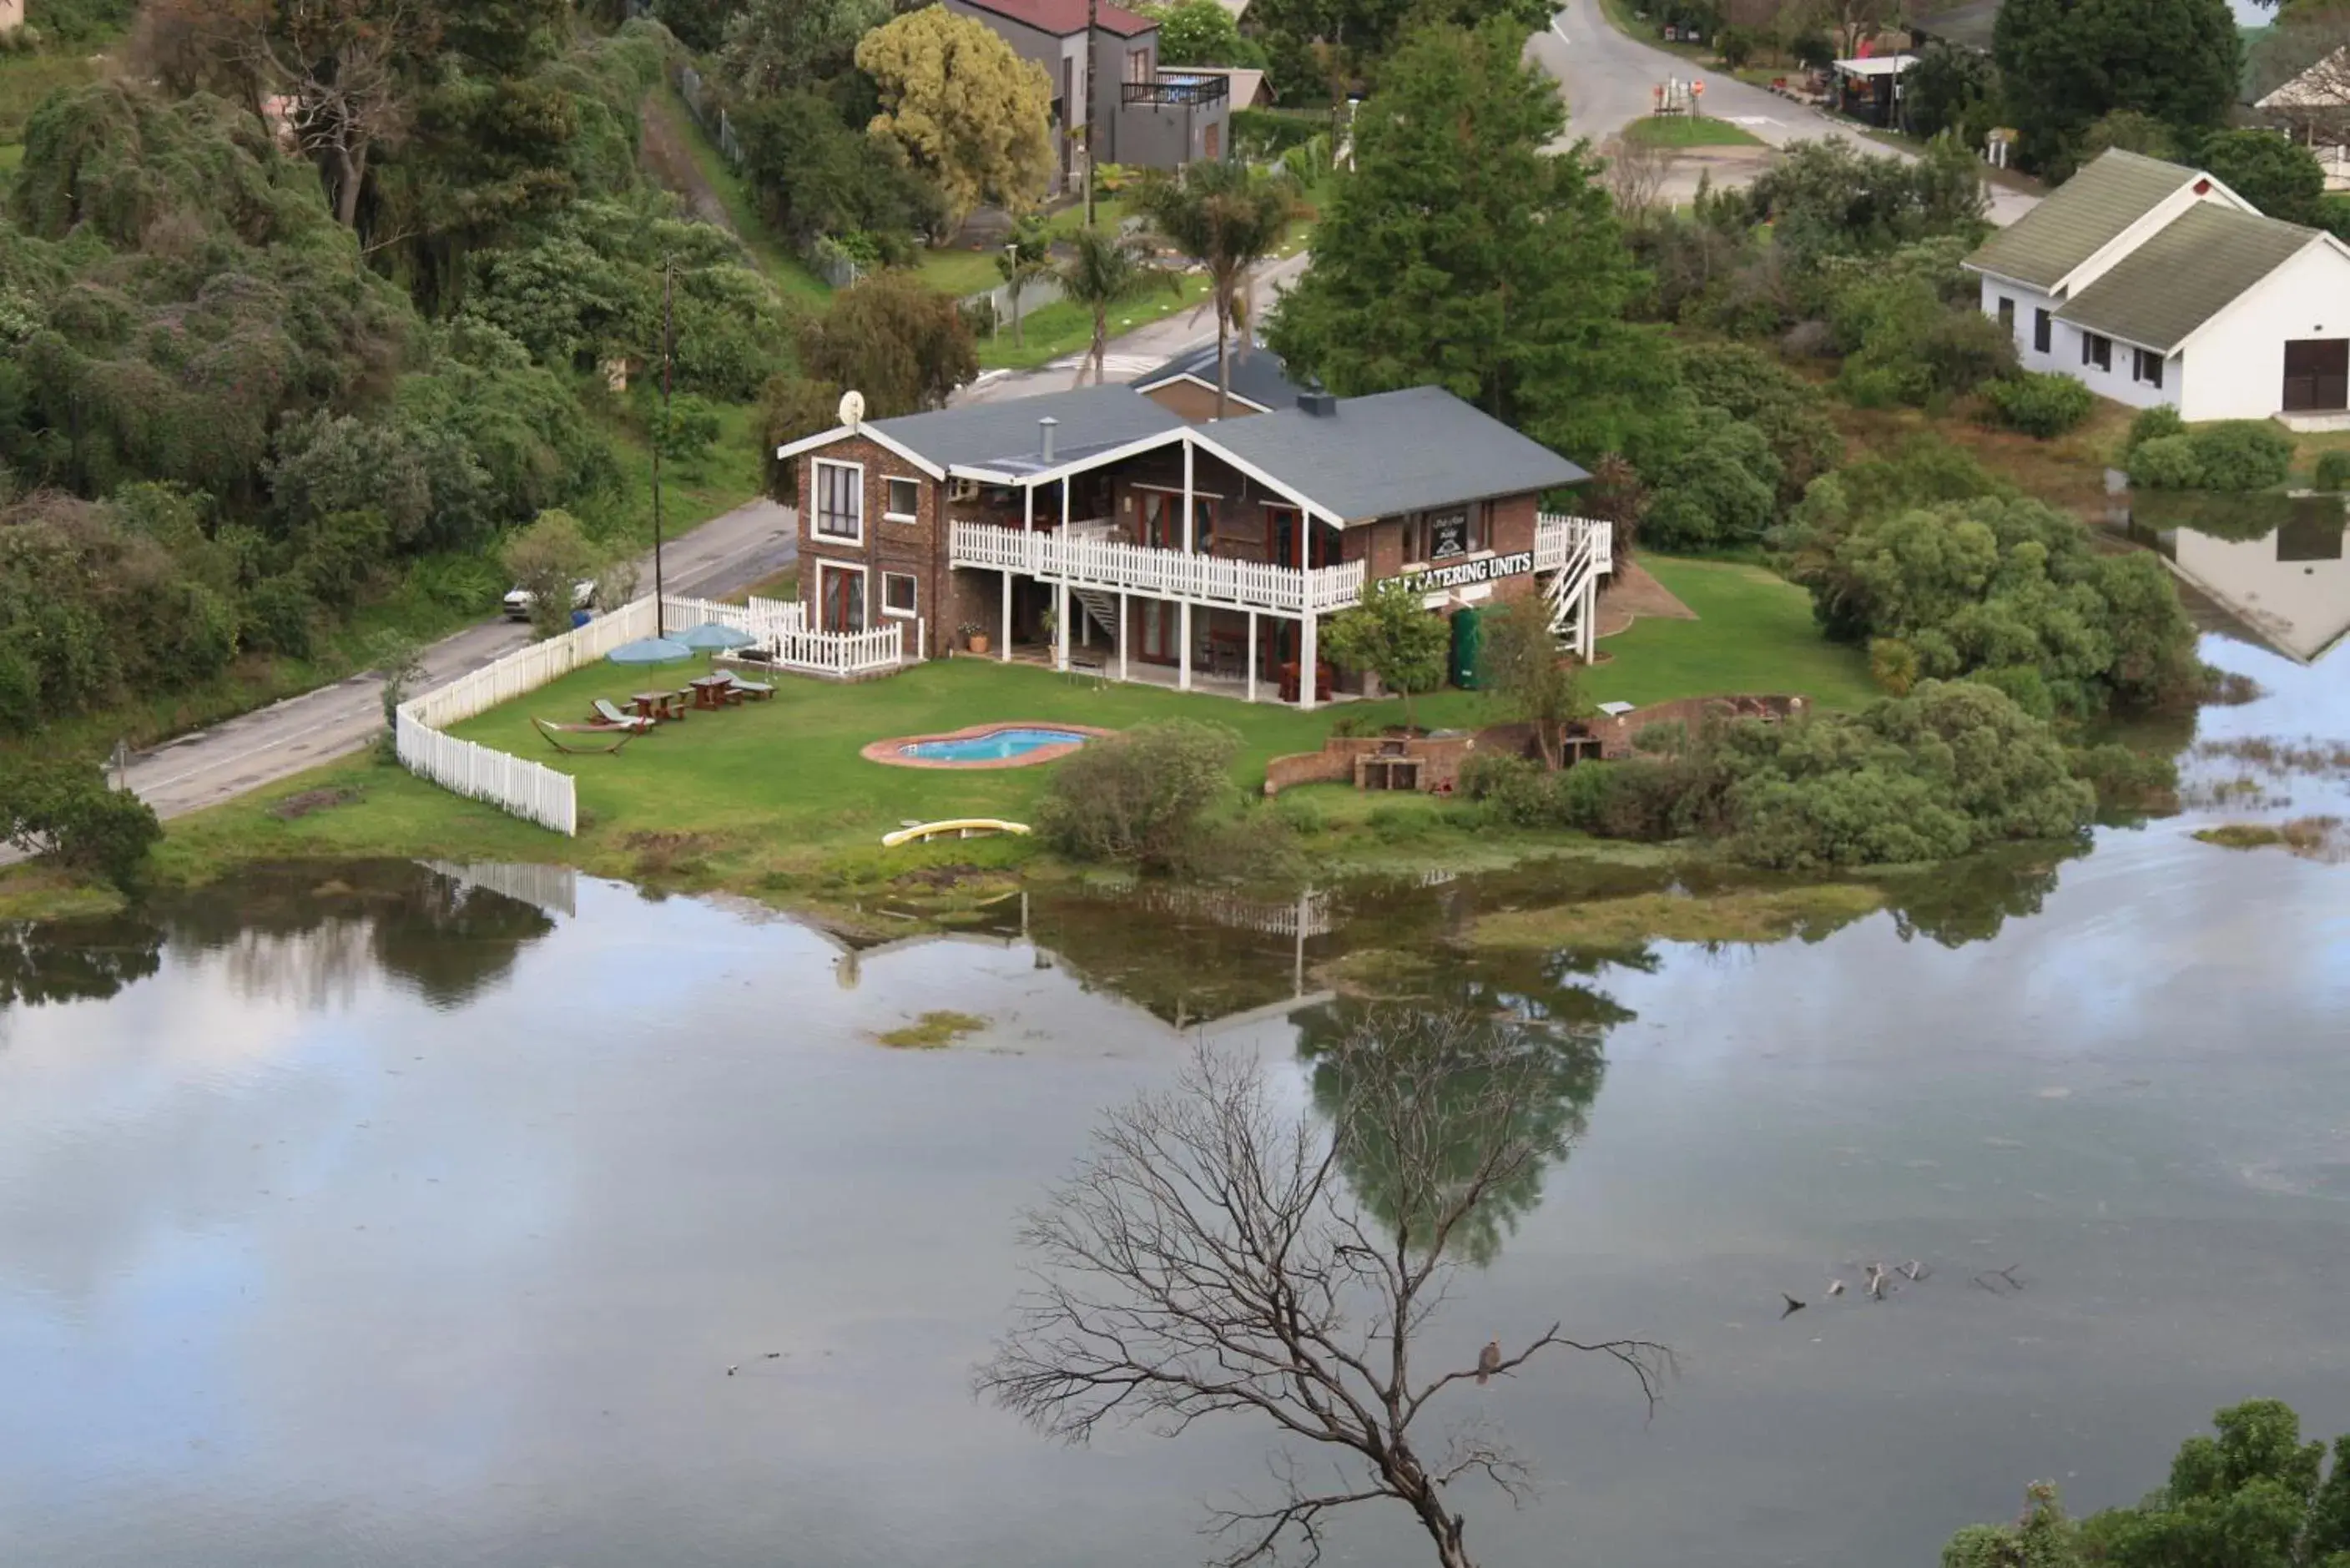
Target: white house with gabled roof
2154	284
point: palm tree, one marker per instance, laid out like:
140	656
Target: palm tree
1102	270
1229	217
1027	256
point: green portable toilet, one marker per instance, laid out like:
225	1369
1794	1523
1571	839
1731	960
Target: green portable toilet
1468	648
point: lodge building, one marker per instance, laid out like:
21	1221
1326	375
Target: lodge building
1101	529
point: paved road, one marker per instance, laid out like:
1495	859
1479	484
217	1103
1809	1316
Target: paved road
212	766
1605	77
1144	348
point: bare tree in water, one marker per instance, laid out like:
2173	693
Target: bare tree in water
1214	1252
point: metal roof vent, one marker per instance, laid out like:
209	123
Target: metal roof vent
1044	436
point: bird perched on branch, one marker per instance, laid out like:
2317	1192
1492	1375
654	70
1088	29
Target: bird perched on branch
1489	1361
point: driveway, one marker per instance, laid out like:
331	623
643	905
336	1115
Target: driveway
210	766
1606	77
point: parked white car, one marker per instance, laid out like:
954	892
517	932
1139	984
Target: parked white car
517	601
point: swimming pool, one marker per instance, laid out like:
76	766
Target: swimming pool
994	746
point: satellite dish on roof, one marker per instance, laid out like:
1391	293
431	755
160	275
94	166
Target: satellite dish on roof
852	409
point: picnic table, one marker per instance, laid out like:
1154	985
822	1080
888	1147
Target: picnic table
658	704
714	691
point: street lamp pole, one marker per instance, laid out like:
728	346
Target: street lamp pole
661	433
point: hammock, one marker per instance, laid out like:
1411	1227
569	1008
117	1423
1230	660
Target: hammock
555	733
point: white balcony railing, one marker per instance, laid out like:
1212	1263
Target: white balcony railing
1562	542
1165	574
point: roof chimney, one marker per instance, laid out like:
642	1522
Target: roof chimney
1044	436
1317	403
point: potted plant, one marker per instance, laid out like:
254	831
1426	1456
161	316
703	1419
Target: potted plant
973	637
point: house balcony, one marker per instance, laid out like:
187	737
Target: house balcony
1106	566
1176	91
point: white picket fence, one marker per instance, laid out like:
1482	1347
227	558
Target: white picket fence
543	795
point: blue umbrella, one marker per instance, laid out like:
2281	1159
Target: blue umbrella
649	651
716	635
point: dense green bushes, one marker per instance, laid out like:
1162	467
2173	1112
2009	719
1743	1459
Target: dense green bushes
1951	768
2332	470
1988	582
2039	405
1141	797
2231	455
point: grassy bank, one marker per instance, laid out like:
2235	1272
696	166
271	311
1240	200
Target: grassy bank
792	277
1688	130
775	799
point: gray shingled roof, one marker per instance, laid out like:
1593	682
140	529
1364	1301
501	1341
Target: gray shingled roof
1256	374
1090	417
2187	273
2079	218
1394	451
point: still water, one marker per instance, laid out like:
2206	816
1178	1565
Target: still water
391	1215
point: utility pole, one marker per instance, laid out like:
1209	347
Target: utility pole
661	433
1093	17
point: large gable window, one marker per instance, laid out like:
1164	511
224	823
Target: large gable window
840	501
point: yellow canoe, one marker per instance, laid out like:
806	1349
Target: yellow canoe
960	827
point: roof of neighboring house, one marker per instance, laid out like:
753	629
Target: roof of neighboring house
1256	375
1063	18
1876	65
989	433
1246	83
1969	24
1393	451
2299	72
2194	267
2080	217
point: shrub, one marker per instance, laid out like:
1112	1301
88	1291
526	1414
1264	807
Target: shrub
2039	405
65	810
277	616
1303	813
2241	454
2124	780
1139	797
1893	664
1735	46
2161	420
2166	463
546	560
2023	685
685	431
2332	470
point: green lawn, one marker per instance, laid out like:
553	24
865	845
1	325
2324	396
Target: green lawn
1753	633
732	473
962	270
1050	331
776	797
12	155
1688	130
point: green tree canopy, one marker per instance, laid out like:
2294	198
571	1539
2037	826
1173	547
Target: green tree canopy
894	338
1201	33
2278	176
1465	251
2064	64
1391	635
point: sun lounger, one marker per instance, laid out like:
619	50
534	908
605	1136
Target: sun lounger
618	734
611	717
758	689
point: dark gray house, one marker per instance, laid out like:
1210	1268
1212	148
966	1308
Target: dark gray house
1137	114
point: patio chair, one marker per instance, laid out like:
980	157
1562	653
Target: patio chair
758	689
610	717
618	734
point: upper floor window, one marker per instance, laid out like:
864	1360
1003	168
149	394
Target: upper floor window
904	500
1138	65
840	501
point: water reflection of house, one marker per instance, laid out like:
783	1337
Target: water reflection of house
2291	587
1199	964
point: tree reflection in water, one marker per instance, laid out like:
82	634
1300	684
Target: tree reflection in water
1534	1058
306	933
74	961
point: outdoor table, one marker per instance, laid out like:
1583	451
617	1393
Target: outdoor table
712	691
654	705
